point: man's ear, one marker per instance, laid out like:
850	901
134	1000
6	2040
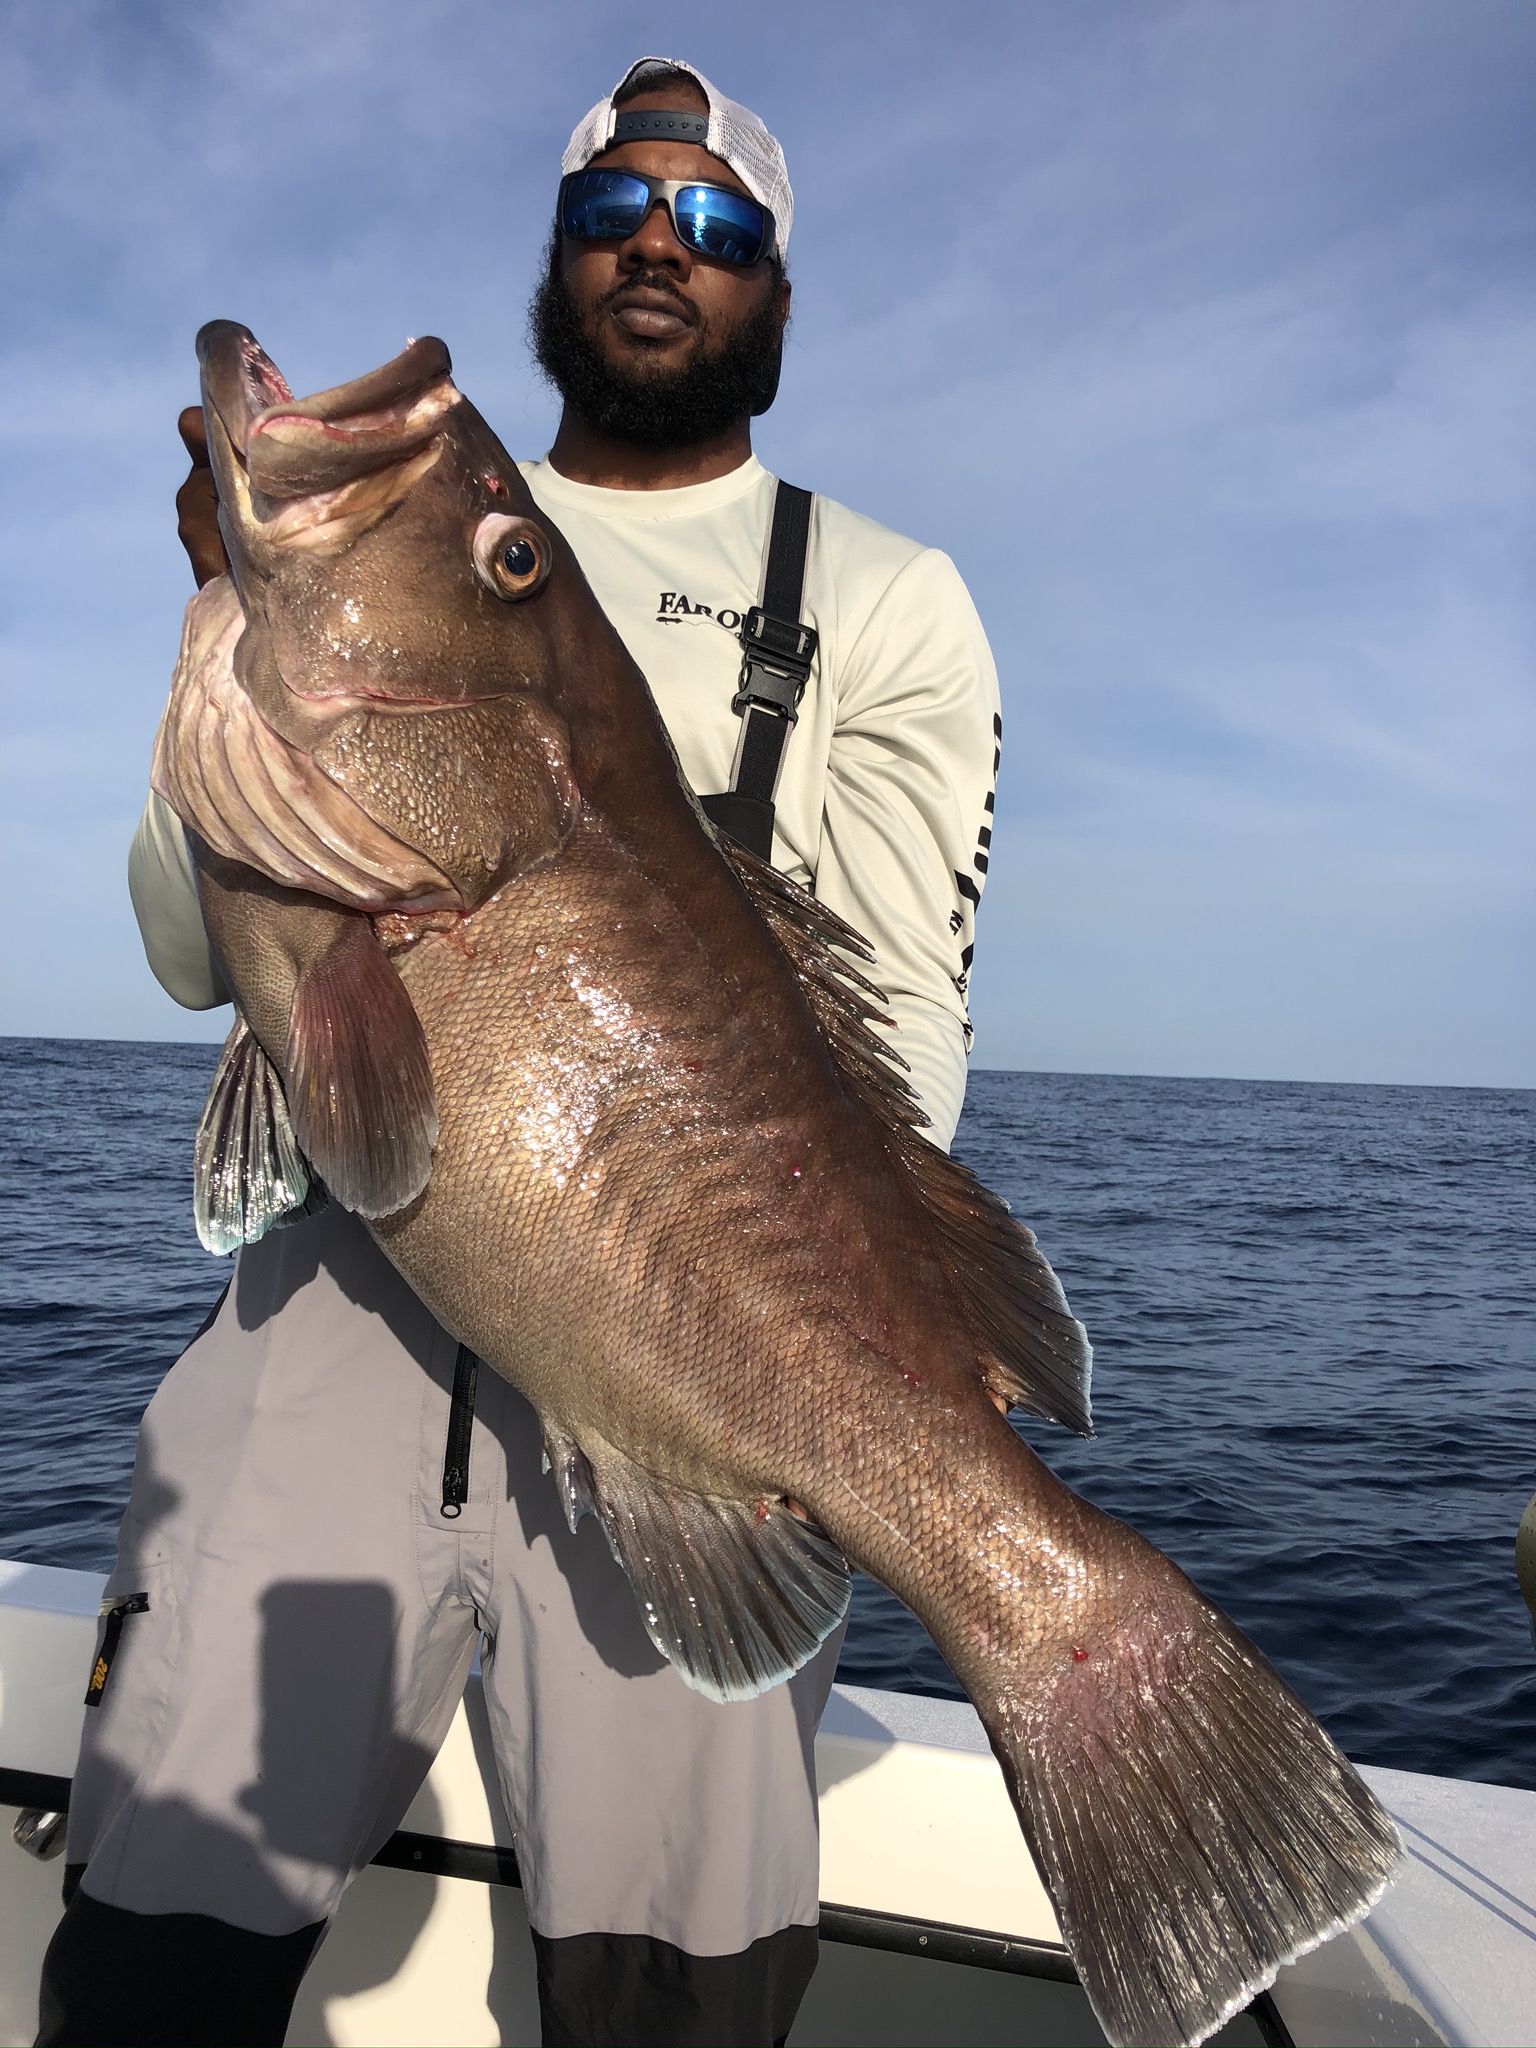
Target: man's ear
781	299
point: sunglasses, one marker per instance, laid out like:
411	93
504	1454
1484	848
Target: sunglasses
711	220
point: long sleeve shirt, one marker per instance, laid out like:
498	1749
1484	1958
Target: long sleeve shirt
884	804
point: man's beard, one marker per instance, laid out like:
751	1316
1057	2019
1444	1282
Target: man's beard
655	408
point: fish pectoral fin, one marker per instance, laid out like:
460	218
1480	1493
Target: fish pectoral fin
736	1595
248	1172
359	1076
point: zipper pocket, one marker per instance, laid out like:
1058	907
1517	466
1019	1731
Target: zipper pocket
461	1423
116	1612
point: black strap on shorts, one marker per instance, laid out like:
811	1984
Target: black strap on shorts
116	1612
777	655
461	1425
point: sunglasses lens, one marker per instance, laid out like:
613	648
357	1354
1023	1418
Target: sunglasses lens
608	206
602	206
726	225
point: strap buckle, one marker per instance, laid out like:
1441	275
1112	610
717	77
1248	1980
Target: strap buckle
776	664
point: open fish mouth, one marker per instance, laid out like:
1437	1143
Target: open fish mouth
294	449
311	476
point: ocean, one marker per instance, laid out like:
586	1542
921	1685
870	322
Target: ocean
1313	1310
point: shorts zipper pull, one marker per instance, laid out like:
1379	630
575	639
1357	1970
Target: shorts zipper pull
461	1423
117	1612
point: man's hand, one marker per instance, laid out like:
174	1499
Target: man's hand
197	503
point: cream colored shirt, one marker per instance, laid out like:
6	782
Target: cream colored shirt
884	803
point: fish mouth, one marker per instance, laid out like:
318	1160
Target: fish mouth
314	474
315	448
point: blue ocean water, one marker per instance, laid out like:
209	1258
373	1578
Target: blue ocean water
1313	1311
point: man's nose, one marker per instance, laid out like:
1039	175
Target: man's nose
654	245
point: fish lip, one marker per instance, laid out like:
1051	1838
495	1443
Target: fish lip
250	393
331	430
400	422
395	387
240	380
297	448
348	695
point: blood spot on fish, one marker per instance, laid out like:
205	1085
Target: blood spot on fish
912	1379
494	485
763	1512
1079	1654
398	930
794	1173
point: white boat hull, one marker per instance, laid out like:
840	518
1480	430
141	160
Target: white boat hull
936	1926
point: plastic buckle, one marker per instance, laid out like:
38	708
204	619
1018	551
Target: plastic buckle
776	664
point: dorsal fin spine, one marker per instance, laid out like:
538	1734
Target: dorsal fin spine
1031	1350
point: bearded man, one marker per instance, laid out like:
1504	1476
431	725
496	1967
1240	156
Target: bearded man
332	1508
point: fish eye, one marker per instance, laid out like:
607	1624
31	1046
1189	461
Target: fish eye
512	556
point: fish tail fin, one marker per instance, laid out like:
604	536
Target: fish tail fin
1194	1825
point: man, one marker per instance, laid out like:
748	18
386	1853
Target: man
305	1568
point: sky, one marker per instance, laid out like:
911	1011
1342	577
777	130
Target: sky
1200	335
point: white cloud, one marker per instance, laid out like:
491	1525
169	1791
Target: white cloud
1198	333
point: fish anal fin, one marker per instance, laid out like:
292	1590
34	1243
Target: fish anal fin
1195	1827
359	1076
248	1173
736	1595
572	1475
1033	1351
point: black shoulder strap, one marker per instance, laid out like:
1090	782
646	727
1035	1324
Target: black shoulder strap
777	653
788	544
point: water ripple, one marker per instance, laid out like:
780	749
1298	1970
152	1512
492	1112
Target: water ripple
1313	1311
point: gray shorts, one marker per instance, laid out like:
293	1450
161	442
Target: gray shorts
313	1614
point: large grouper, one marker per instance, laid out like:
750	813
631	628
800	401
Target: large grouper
613	1096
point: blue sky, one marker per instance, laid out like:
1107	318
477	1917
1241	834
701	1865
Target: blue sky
1200	335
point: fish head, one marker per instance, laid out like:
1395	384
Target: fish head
384	545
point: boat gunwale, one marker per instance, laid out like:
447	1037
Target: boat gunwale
940	1941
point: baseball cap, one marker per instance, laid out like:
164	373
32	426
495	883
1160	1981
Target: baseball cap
733	133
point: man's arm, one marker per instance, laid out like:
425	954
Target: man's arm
160	878
909	814
164	892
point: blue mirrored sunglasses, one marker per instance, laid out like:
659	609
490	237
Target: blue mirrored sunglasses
711	220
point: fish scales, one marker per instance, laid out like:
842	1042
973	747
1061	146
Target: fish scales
607	1092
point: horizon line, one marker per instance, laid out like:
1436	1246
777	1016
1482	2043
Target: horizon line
1044	1073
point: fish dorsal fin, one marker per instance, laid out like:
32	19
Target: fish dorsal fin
248	1172
1033	1350
736	1595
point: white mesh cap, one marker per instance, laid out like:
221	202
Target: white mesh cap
736	136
